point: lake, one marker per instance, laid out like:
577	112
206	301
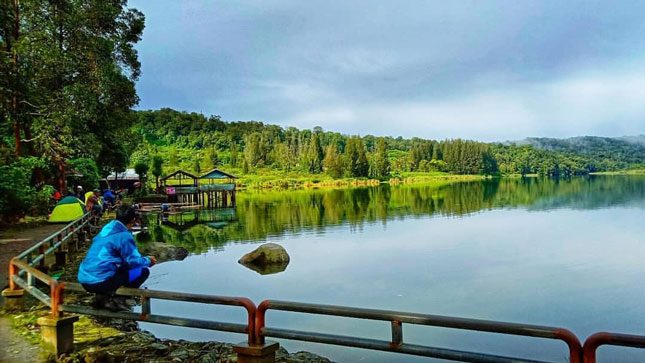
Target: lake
567	253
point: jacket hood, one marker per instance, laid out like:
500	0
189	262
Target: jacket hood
113	227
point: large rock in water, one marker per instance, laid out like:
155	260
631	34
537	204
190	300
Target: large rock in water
269	258
163	251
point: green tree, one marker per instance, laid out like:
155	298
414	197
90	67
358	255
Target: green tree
314	154
253	149
234	156
380	164
333	163
172	158
142	171
86	171
213	157
157	169
356	158
196	164
71	76
112	158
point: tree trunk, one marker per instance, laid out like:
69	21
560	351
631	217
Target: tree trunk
62	182
14	101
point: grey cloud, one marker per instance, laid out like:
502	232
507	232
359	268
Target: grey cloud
290	62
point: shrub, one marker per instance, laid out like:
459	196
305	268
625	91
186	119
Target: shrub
17	196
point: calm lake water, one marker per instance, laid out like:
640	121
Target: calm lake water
562	253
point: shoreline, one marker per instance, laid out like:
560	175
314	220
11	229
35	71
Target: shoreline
305	181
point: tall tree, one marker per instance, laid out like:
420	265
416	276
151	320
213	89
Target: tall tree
314	154
333	163
77	67
157	169
380	165
356	158
142	171
213	157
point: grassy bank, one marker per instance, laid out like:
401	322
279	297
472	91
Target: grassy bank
275	179
622	172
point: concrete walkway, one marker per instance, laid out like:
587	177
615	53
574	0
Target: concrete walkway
15	348
14	241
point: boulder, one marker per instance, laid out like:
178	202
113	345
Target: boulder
163	251
269	258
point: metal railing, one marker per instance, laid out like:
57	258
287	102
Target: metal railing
147	315
603	338
397	319
32	263
70	238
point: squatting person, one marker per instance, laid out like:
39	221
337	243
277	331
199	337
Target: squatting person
113	260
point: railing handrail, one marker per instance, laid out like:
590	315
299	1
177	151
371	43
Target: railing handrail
605	338
397	318
84	219
414	318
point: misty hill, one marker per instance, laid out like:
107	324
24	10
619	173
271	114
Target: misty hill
627	149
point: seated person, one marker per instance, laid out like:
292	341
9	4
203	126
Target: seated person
93	202
113	260
109	197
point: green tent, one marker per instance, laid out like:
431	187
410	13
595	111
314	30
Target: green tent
67	210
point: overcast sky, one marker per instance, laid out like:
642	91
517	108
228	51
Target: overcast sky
486	70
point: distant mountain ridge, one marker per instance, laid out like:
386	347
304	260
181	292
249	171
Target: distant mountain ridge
627	148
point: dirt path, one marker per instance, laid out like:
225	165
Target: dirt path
15	348
14	241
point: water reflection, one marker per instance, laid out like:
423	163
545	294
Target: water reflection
560	253
260	215
198	231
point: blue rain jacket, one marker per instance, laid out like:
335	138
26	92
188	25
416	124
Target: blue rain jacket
111	249
108	196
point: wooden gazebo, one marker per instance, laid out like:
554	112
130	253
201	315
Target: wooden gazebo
181	187
214	189
217	188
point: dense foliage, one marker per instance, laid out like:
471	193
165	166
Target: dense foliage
181	138
254	145
67	73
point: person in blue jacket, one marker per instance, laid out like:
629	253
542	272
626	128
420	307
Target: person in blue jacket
113	260
108	199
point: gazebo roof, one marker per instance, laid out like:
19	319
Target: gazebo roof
217	174
128	174
179	172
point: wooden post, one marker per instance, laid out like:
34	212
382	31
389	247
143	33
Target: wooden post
58	333
264	353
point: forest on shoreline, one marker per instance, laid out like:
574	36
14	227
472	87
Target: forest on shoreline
196	143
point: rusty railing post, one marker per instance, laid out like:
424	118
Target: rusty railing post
255	349
13	296
596	340
397	333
